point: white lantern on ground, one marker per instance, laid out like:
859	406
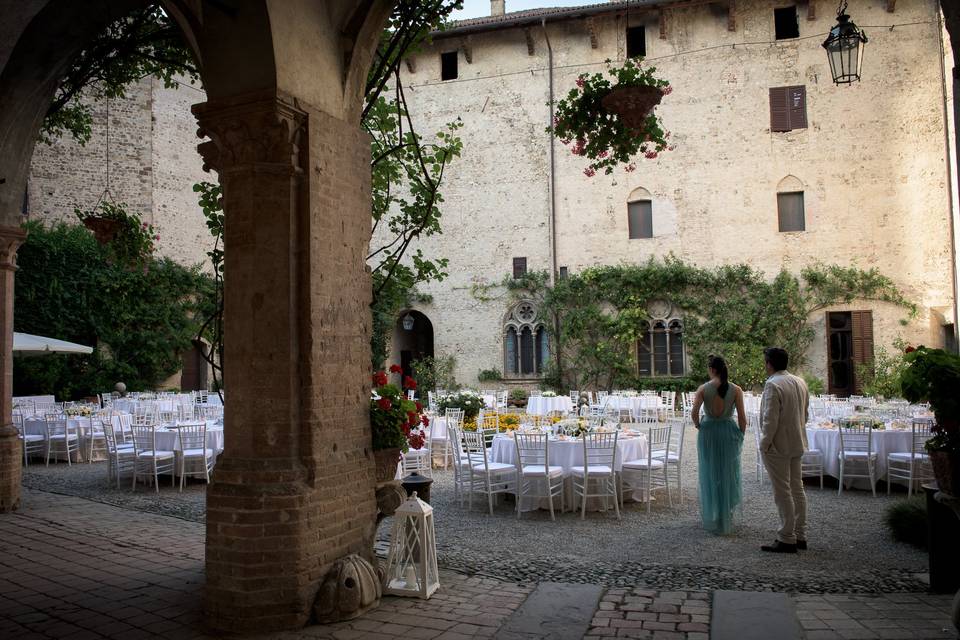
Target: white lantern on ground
412	560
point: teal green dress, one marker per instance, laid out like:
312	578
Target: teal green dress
719	443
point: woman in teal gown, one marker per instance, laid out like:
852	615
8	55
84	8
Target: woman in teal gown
719	443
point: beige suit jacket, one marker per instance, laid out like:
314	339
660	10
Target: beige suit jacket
784	411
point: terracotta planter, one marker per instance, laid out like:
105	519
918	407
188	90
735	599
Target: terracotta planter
632	104
104	229
946	468
386	461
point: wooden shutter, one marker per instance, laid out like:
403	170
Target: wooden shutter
788	108
797	105
519	267
790	211
779	109
862	324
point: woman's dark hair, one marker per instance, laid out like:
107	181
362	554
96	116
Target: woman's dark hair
719	365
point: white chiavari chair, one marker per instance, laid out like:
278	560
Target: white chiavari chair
536	477
652	471
599	467
486	477
857	457
33	443
195	451
61	436
914	465
149	461
121	456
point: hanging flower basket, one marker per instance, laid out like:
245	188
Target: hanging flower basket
104	229
611	122
632	104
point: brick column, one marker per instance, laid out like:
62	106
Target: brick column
294	489
11	454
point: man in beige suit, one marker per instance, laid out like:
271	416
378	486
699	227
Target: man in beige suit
783	417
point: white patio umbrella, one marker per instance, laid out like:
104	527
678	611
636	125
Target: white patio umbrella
25	344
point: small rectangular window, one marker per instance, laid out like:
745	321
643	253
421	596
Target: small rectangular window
640	219
790	211
785	23
636	42
519	267
788	108
448	65
563	273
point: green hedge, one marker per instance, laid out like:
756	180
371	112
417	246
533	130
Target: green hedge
139	319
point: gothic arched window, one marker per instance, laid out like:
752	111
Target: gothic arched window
526	344
660	347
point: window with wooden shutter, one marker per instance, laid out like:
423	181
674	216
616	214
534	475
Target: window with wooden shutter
519	267
640	219
862	325
790	215
788	108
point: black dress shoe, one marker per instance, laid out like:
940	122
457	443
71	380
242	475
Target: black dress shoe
779	547
801	545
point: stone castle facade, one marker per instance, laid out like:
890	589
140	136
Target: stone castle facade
870	161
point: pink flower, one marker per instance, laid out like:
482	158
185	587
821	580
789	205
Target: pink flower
156	237
650	155
589	172
630	168
666	135
667	90
602	154
671	147
144	225
580	81
578	148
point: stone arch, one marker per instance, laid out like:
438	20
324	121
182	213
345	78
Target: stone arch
526	340
284	84
411	344
789	184
639	194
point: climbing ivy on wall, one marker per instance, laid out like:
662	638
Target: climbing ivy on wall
140	320
733	310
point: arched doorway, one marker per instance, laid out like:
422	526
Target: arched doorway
412	339
294	165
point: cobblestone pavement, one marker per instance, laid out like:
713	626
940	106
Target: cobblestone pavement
641	613
891	616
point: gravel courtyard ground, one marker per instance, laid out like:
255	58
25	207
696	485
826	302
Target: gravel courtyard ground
850	549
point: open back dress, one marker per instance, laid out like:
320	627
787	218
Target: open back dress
719	444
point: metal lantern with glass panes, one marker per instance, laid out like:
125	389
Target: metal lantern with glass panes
412	561
407	322
844	48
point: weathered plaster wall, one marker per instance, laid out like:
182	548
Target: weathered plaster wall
872	162
153	167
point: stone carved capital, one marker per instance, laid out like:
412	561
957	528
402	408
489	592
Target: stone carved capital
262	130
10	240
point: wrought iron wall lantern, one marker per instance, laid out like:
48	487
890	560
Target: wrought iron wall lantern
407	322
844	48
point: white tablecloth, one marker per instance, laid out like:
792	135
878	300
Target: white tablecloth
886	441
541	405
438	428
168	438
568	454
632	403
489	400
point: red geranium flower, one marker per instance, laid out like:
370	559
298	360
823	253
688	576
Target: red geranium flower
409	383
379	378
425	420
395	368
385	404
910	349
419	407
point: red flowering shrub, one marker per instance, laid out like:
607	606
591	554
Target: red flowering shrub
395	368
393	417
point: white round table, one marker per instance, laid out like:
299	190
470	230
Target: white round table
567	453
542	405
885	441
634	404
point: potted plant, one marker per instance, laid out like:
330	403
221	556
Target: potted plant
469	401
933	375
394	420
517	398
611	123
129	238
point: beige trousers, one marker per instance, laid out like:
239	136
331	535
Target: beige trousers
787	480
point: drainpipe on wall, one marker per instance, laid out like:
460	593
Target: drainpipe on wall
553	172
950	172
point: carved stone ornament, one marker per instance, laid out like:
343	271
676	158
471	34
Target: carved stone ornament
261	132
390	495
10	240
350	589
659	309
